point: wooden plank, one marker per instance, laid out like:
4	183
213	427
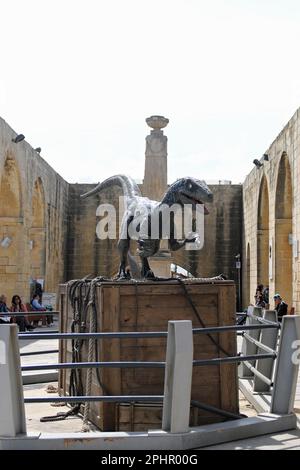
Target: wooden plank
228	372
111	377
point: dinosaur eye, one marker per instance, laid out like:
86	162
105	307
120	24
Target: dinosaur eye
190	186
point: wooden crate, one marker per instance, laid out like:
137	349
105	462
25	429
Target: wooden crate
148	306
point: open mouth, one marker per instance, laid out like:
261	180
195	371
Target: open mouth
197	201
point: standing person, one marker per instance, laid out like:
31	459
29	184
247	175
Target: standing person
266	296
17	306
259	290
260	301
4	309
281	307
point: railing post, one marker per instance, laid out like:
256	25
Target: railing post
266	366
12	411
178	377
247	347
287	366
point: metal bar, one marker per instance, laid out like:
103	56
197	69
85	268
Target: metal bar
83	336
266	322
135	334
221	329
107	398
23	314
93	365
36	335
37	353
213	409
220	360
259	344
258	374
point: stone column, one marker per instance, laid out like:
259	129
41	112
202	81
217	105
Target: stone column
155	178
156	183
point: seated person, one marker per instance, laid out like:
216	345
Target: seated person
39	307
4	309
22	321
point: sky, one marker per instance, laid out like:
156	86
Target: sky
78	78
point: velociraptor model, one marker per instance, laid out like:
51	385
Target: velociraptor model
138	208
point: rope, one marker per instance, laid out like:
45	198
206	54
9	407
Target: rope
188	297
61	416
91	353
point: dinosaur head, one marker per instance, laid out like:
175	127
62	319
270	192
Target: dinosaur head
192	191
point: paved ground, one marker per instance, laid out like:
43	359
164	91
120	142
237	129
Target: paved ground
285	440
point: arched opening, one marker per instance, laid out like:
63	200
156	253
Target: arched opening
248	279
263	234
11	231
37	233
283	232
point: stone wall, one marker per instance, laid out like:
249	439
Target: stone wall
47	231
88	255
33	218
222	233
271	200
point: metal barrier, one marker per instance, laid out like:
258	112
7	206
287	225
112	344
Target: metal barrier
256	359
35	312
281	383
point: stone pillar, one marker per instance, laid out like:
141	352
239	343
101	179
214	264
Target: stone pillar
155	178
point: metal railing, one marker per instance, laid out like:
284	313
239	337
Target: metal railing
259	348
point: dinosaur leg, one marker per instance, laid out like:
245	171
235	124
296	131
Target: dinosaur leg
147	272
123	247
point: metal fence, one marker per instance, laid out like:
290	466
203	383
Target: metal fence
257	358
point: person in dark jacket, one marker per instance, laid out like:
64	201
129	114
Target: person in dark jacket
281	307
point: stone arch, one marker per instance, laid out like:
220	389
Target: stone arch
248	276
283	231
37	232
263	234
11	230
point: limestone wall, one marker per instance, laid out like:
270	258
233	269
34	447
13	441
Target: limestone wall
88	255
33	218
271	201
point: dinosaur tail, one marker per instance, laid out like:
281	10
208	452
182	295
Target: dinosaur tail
126	183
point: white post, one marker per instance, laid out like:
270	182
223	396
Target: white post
178	377
287	366
266	366
12	411
249	349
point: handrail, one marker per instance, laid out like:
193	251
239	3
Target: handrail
35	312
112	399
93	365
141	334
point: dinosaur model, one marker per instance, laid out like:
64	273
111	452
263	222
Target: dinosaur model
141	210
